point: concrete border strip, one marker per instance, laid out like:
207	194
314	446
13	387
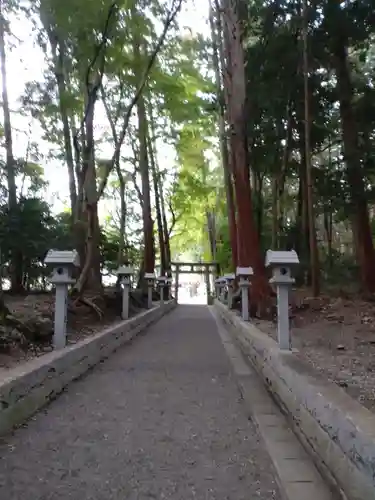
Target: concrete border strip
337	432
30	386
296	474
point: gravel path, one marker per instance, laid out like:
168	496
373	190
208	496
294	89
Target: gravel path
161	419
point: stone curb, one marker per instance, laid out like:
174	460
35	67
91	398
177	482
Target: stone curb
28	387
295	472
337	432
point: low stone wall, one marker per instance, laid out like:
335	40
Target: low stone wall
30	386
337	431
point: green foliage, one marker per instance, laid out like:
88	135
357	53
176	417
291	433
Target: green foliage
182	110
30	231
109	250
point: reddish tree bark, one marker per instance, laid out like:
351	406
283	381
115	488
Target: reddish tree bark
249	253
354	173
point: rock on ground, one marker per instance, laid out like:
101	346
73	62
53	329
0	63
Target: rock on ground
162	418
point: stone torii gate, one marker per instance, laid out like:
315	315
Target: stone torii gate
205	268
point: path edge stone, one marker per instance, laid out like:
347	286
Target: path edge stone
295	472
27	388
336	431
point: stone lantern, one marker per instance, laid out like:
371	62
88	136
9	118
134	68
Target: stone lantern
244	274
217	287
125	273
281	263
168	283
229	279
150	278
161	282
63	263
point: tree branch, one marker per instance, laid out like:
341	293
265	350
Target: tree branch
92	88
176	6
108	114
139	193
175	218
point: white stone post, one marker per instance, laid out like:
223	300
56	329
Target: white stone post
283	329
150	277
125	273
168	284
217	288
222	289
161	285
125	297
207	282
63	263
281	263
244	274
177	275
230	281
244	286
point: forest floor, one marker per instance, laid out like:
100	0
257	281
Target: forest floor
36	311
336	334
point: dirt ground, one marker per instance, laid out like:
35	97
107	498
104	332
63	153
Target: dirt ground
337	336
37	310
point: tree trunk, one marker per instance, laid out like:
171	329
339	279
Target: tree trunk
281	177
313	245
159	220
298	243
77	169
328	226
354	172
60	79
217	58
275	219
79	224
258	192
16	258
304	228
58	57
167	243
249	253
90	277
148	224
122	257
159	189
280	208
10	163
211	232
